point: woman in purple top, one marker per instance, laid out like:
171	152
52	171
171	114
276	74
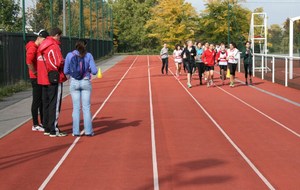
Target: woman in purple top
81	88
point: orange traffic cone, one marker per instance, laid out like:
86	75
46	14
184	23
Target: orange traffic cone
99	75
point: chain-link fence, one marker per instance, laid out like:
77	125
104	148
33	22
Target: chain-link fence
88	19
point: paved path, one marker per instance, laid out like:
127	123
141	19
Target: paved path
15	110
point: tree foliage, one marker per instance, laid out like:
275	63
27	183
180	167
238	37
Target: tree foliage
130	16
172	21
220	14
9	16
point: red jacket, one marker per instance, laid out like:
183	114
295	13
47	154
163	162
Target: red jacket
208	57
31	51
50	50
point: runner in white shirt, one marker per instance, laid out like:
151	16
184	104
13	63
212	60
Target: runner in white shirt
232	58
177	59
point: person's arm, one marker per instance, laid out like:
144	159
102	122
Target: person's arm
67	64
30	55
92	63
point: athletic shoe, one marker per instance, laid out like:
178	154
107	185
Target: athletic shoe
189	85
58	134
89	135
75	135
250	81
246	82
231	84
37	128
46	133
207	84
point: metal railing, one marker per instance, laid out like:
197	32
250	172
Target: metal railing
263	64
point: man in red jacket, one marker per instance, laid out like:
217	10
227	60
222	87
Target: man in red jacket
31	61
50	59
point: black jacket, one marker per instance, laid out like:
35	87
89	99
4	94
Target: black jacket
190	55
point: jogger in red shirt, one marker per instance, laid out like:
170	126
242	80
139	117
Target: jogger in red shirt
31	61
208	57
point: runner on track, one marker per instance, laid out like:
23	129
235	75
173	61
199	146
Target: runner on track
232	61
247	54
177	59
208	58
222	62
165	58
199	63
190	53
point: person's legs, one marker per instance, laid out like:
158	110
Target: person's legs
86	105
163	65
58	105
75	93
36	102
52	95
233	66
177	69
211	72
250	67
167	65
45	99
246	67
198	65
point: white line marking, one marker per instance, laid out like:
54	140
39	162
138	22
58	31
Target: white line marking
274	95
47	180
262	113
154	157
254	168
269	93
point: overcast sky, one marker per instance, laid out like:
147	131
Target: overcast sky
277	10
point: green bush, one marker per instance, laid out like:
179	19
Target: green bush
9	90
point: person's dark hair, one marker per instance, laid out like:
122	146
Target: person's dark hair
233	44
247	42
198	43
55	31
81	47
176	46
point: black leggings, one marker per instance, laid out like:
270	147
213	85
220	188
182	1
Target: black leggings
201	69
248	70
165	64
36	106
189	64
232	68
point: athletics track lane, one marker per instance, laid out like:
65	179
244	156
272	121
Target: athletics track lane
192	154
26	158
273	149
119	155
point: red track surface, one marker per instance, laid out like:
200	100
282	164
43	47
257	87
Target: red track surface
192	152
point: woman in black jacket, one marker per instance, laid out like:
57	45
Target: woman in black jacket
189	53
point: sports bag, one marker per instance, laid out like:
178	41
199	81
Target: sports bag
77	67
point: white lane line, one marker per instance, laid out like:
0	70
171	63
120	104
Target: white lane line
262	113
54	170
254	168
154	157
269	93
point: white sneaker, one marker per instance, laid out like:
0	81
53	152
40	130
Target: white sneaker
37	128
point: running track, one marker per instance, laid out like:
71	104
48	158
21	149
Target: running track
153	133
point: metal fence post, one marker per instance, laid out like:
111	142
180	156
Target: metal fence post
262	67
286	72
24	39
273	69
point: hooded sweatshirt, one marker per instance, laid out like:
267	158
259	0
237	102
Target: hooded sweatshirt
89	63
49	58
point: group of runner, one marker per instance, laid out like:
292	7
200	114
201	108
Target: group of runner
204	57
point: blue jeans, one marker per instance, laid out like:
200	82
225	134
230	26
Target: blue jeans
81	92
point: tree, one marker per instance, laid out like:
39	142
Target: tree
40	15
9	16
172	21
275	34
218	15
130	16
